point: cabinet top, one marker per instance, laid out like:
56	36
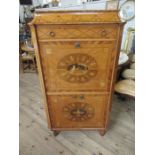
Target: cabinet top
46	16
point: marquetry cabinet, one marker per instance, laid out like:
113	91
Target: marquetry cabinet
77	55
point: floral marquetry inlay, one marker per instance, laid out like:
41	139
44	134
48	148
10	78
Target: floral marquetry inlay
78	111
77	68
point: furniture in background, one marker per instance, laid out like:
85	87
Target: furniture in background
125	84
77	55
55	3
127	53
27	56
28	20
130	41
123	63
125	88
127	10
112	4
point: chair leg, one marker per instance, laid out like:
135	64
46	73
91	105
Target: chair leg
34	64
21	66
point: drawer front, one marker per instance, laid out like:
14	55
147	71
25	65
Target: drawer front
75	32
78	111
77	66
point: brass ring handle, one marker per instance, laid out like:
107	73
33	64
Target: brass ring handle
52	34
77	45
104	33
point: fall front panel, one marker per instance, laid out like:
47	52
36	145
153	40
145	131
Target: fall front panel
77	66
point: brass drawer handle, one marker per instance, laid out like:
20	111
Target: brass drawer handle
103	33
77	45
52	34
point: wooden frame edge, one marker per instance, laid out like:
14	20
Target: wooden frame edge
114	74
35	43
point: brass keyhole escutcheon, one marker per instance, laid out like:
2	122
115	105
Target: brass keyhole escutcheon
103	33
80	97
52	34
77	45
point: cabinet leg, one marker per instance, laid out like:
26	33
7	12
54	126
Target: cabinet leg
102	132
56	133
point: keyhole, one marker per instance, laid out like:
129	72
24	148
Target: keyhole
77	45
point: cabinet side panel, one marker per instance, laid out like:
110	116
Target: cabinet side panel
114	71
35	43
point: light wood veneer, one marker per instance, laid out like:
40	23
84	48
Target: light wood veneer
77	56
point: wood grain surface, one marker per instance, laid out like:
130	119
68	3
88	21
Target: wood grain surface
77	52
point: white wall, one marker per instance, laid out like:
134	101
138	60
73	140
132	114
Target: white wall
68	2
77	5
37	2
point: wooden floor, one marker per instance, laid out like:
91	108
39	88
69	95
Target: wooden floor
37	139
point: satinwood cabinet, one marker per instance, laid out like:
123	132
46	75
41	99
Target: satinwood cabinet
77	55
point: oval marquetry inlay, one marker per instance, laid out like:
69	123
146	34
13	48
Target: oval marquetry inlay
77	68
78	111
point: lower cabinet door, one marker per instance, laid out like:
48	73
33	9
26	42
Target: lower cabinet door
78	111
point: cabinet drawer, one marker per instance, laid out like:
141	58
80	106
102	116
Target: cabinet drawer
77	66
45	32
78	111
